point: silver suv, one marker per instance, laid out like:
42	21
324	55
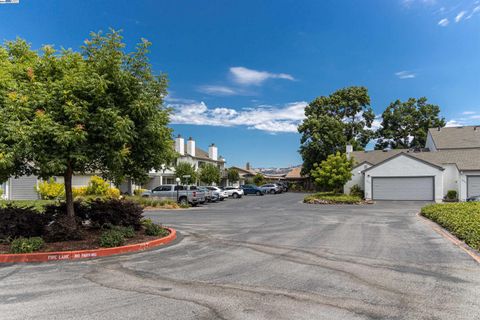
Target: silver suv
271	188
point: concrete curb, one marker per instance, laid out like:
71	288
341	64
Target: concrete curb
447	235
86	254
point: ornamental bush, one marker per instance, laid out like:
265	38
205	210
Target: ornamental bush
26	245
113	193
24	222
79	192
97	186
114	212
461	219
51	190
112	238
333	173
153	229
452	194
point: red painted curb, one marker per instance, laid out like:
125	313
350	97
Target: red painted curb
85	254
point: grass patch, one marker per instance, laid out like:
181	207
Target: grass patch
332	198
37	204
154	202
461	219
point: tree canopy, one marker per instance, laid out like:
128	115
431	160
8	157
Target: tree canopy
332	122
233	175
405	124
98	110
333	173
258	179
185	169
209	174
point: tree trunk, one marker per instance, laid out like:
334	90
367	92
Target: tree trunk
69	195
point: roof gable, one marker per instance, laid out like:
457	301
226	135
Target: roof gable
403	154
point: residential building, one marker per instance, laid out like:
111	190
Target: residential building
449	161
190	153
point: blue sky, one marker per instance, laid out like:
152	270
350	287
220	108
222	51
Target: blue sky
241	72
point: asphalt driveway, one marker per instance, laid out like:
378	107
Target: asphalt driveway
269	257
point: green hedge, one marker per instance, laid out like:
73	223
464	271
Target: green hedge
461	219
332	198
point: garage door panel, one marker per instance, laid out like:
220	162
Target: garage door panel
473	186
403	188
23	188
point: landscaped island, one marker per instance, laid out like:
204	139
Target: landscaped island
332	198
461	219
100	222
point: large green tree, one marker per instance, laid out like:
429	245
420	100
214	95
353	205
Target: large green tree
332	173
405	124
65	112
183	169
233	175
332	122
209	174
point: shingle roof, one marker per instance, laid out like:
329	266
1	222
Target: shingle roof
201	154
456	137
465	159
295	173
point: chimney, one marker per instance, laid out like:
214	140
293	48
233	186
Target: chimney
247	166
191	147
349	150
180	145
213	152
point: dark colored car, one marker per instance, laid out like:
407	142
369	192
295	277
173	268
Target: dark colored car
284	184
474	199
252	189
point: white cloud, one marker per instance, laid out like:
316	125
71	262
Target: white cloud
218	90
245	76
265	118
477	117
460	16
405	74
474	11
454	123
443	22
468	112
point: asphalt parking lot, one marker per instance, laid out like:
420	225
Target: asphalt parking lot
269	257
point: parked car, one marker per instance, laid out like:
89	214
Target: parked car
209	195
474	199
178	193
284	184
222	195
271	188
252	189
201	194
234	192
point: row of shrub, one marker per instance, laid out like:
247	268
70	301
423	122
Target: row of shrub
461	219
52	190
332	198
154	202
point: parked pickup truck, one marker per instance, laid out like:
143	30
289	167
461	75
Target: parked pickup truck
180	193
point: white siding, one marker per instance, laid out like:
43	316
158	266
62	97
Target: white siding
357	178
451	178
430	144
23	188
404	166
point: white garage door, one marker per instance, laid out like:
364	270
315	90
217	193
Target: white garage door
473	186
403	188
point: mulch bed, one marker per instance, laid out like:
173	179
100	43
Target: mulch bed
90	241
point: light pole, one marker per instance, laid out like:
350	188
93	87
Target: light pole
178	181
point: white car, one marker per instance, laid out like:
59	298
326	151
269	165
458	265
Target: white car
233	192
222	195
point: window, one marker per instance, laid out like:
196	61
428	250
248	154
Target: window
192	187
179	188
